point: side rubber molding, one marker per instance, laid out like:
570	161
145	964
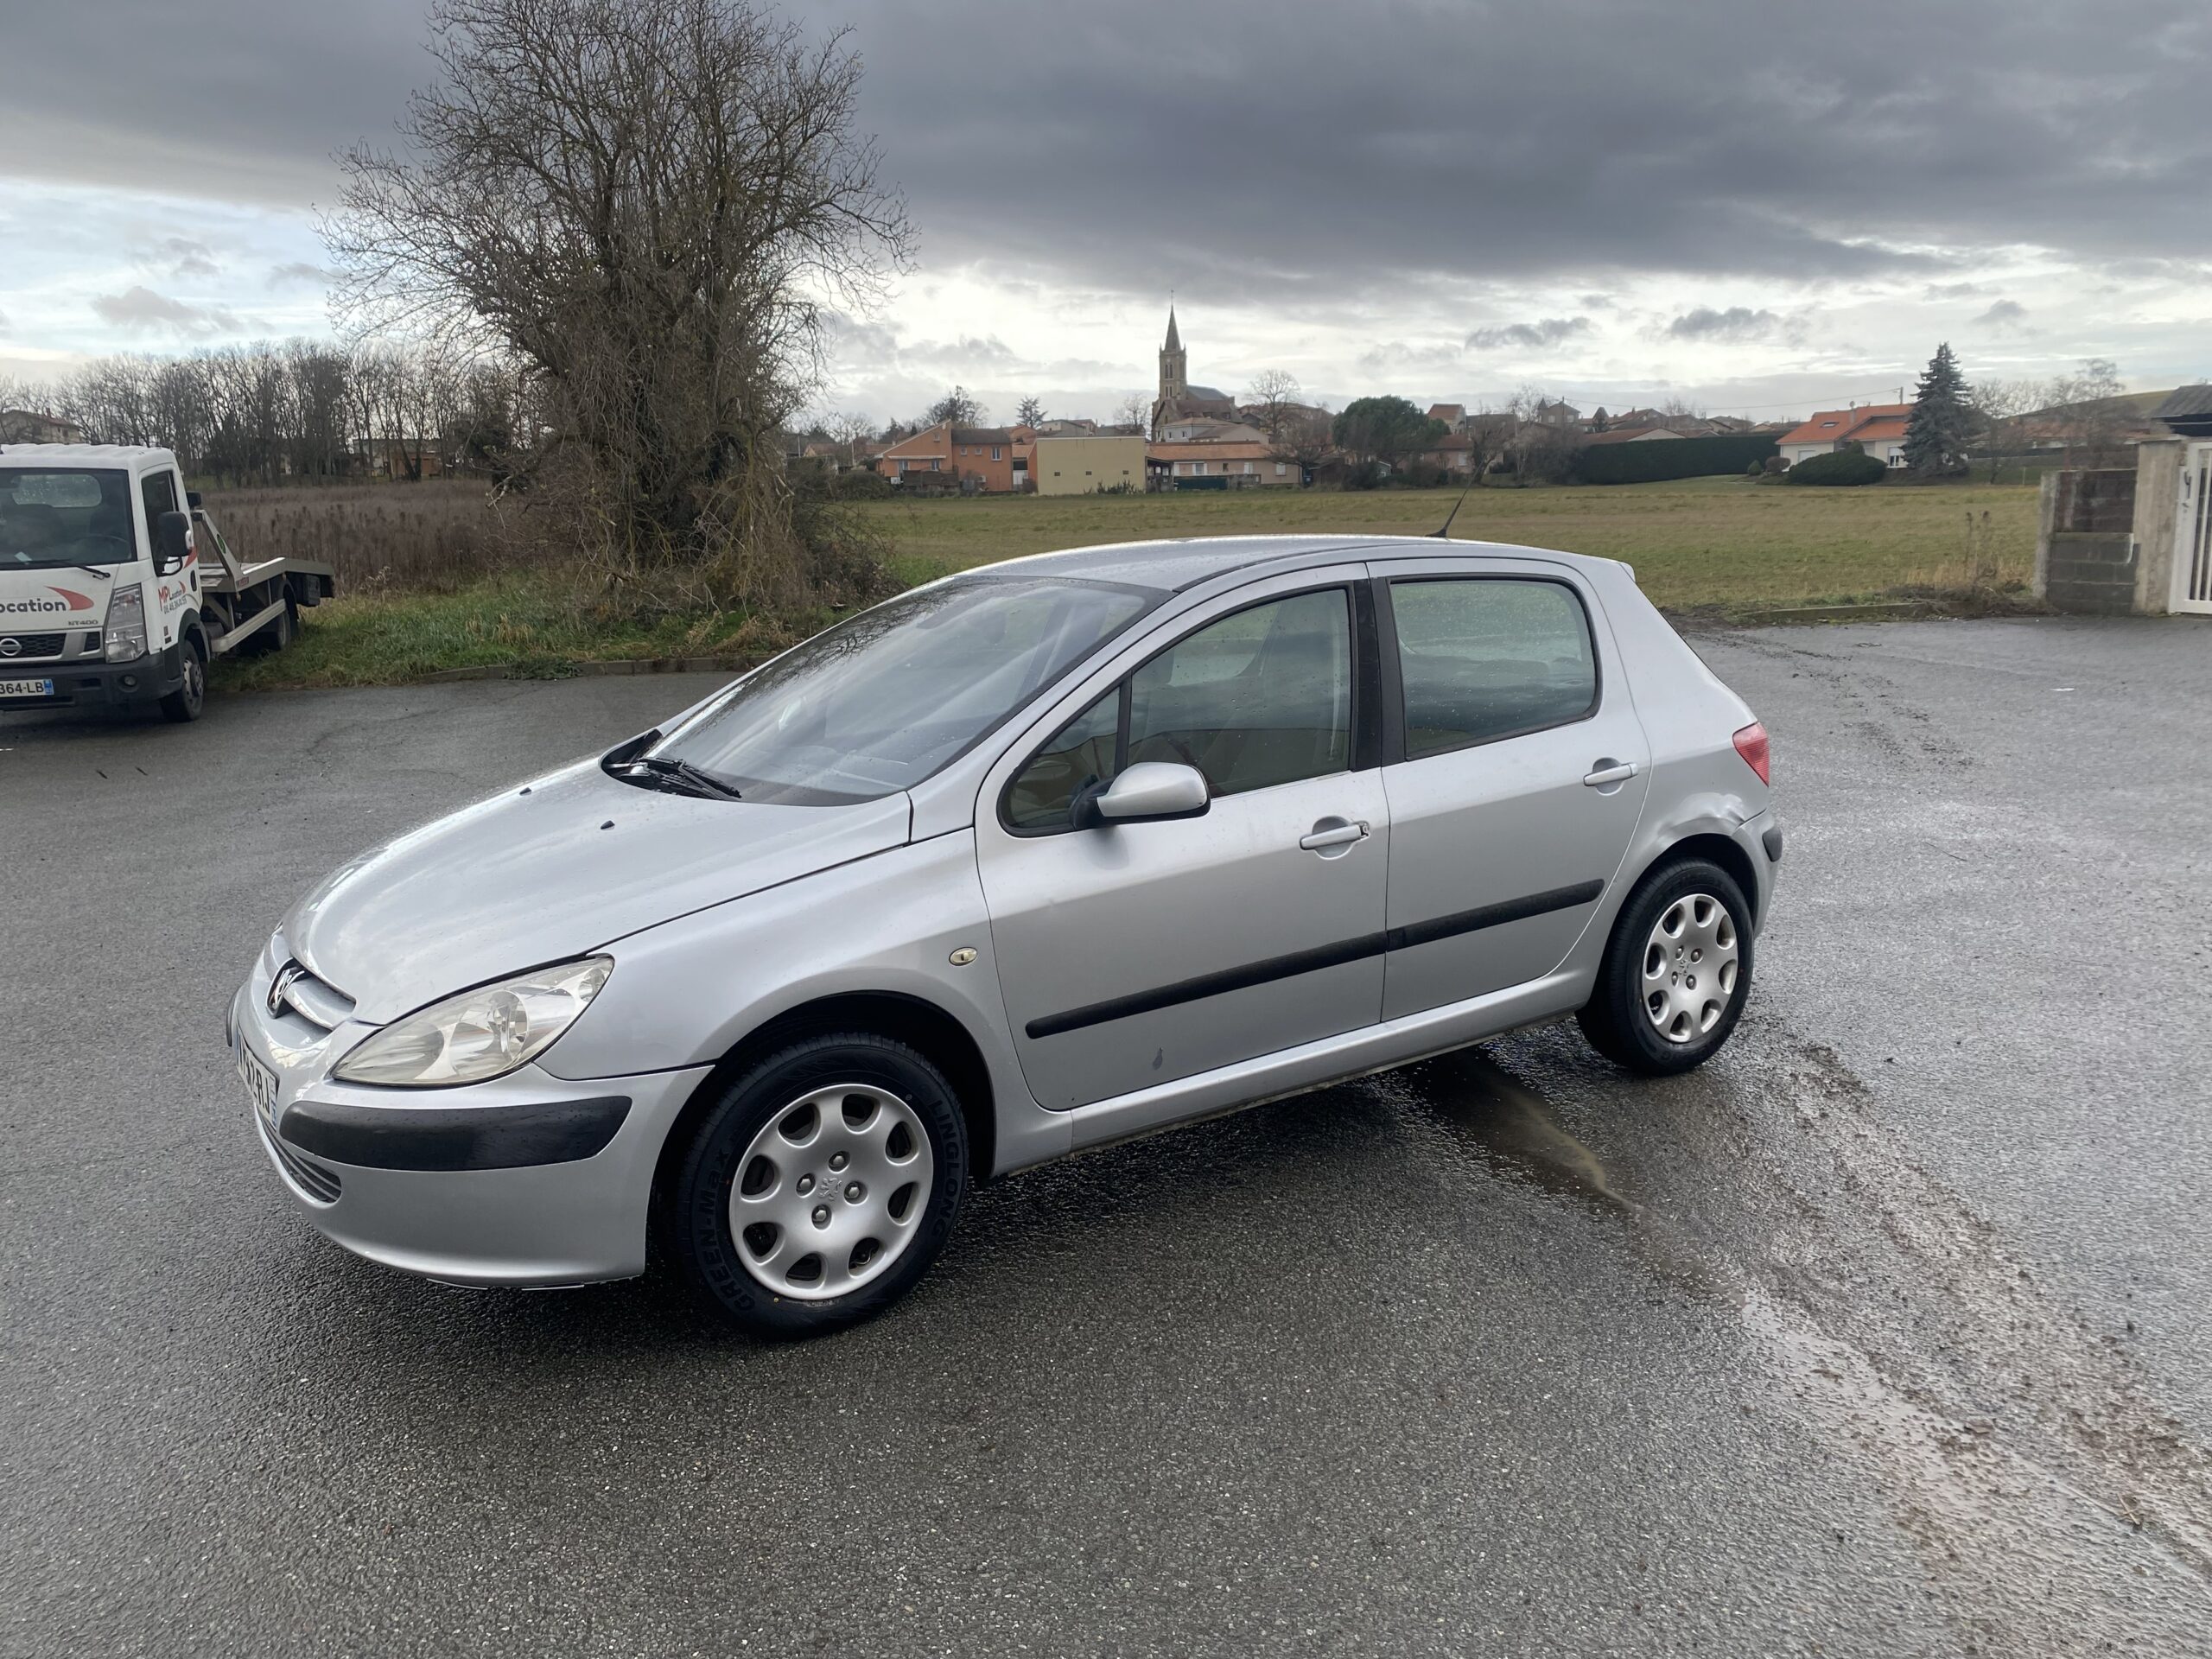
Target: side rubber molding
475	1137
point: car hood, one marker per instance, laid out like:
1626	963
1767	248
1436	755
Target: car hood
552	870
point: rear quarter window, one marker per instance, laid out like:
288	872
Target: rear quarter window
1482	658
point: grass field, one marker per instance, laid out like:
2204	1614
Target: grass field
1725	542
1714	546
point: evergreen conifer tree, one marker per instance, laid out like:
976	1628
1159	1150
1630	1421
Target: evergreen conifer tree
1941	429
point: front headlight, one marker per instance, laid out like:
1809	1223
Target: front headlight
485	1033
125	629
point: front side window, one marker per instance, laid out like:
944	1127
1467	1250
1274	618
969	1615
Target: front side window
881	701
1482	659
1258	698
54	516
1261	697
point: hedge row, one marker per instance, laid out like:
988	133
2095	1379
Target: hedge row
1839	466
1649	461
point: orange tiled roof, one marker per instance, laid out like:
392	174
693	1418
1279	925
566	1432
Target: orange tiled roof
1834	425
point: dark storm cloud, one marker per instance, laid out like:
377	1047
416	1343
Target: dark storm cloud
1531	335
1300	154
2004	314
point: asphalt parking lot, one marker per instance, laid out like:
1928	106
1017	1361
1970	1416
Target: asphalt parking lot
1885	1334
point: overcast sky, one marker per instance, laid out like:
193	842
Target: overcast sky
1759	204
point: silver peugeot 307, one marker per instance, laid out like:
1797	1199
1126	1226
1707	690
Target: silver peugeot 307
1034	858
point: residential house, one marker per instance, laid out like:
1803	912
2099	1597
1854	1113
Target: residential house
1230	466
1636	434
1454	452
1067	426
1879	429
1085	463
28	426
1454	415
995	457
1561	415
1206	429
2187	411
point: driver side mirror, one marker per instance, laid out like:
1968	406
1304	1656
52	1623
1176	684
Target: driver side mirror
172	541
1147	793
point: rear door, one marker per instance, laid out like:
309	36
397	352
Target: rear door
1516	769
1136	954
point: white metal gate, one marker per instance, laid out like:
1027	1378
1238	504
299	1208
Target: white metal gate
2193	535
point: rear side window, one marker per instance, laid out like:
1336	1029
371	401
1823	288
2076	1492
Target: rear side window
1482	659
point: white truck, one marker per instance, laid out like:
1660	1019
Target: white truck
117	588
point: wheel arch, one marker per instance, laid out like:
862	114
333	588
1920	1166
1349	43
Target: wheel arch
920	1024
1716	849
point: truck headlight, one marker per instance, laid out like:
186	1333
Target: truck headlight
479	1034
126	623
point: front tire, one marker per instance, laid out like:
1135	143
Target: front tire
190	699
820	1186
1676	972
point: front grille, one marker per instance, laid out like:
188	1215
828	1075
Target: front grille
317	1183
28	646
321	1004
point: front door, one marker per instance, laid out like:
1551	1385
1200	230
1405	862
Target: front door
2192	589
1136	954
1523	775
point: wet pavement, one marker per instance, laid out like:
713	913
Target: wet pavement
1883	1334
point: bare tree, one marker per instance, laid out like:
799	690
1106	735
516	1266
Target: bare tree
1134	412
1535	449
850	428
1488	432
1996	405
644	202
2084	411
1271	394
1303	437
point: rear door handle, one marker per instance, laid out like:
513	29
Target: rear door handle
1340	836
1614	772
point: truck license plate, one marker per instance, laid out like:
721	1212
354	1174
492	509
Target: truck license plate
26	687
260	1086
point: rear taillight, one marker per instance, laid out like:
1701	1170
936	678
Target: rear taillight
1751	743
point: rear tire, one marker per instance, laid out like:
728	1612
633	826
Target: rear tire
819	1187
189	700
1676	972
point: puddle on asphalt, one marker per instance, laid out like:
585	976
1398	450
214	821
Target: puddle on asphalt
1510	1124
2054	1503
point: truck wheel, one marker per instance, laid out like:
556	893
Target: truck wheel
187	701
279	632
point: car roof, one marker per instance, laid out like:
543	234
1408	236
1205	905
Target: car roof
1179	564
133	456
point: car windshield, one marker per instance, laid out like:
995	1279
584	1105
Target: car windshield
879	703
51	516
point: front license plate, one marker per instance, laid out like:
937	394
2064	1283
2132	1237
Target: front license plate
260	1086
26	687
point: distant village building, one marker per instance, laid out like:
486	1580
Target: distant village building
1879	429
28	426
1084	463
995	458
1219	466
1178	399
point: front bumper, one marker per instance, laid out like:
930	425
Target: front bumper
95	685
526	1180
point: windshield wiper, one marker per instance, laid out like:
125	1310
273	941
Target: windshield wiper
670	770
94	570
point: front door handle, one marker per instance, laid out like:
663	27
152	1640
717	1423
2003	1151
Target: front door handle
1609	772
1342	835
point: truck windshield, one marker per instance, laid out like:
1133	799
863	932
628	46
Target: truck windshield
64	515
881	701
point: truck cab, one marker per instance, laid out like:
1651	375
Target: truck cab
115	589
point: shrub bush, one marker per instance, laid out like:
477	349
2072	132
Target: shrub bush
1844	466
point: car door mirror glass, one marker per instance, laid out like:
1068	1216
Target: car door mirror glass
1152	789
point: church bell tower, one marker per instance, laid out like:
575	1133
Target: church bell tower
1174	370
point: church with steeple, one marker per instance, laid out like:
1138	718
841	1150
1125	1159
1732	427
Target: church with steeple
1178	399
